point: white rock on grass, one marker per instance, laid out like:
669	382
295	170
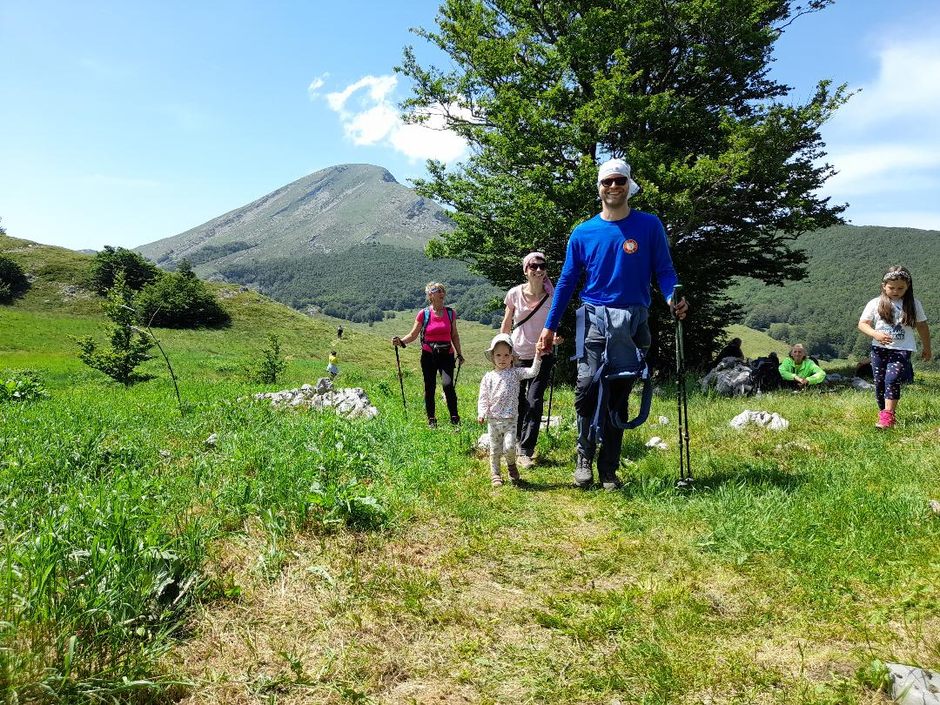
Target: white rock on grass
772	421
935	506
212	440
349	402
657	442
914	686
663	420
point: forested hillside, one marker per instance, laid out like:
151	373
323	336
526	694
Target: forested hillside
362	282
844	271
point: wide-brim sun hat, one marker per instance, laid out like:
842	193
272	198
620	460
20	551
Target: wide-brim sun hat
497	339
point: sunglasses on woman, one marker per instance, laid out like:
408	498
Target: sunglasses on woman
619	180
537	265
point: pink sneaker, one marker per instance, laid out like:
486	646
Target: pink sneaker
885	419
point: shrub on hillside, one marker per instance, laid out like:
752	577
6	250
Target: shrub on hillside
179	300
13	279
138	272
270	363
128	345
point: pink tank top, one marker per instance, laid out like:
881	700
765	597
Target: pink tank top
438	330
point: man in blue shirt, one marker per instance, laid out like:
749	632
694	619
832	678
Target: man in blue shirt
617	251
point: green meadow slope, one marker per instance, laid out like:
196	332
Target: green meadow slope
301	557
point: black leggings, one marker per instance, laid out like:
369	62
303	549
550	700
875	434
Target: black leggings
431	364
531	401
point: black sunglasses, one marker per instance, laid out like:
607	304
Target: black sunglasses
619	180
537	265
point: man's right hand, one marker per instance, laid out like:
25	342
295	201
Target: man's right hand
546	340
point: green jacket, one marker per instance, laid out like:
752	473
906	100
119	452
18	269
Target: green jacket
808	370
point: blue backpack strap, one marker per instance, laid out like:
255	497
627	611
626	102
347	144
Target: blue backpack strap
427	319
424	324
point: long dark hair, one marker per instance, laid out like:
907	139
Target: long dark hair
886	305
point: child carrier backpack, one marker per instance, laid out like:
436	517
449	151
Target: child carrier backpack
426	318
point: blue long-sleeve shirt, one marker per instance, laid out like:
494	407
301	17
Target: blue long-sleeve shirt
619	259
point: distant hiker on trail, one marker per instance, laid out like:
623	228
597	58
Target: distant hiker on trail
437	326
527	307
331	366
617	251
732	349
799	371
498	403
890	320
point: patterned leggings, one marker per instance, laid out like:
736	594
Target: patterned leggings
502	440
888	366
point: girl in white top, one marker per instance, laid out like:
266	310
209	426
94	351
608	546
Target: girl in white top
890	321
527	307
498	404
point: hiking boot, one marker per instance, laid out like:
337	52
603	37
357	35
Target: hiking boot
885	419
432	422
611	484
584	471
455	420
524	461
513	474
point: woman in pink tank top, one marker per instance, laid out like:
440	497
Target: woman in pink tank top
437	327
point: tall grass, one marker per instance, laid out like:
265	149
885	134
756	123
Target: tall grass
122	527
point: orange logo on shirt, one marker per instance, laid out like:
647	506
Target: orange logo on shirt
630	247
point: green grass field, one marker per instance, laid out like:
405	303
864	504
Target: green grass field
307	558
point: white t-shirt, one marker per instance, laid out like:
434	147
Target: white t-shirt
525	337
903	335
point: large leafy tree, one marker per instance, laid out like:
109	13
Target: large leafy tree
544	90
111	261
179	300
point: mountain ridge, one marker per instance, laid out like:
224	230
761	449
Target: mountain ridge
330	210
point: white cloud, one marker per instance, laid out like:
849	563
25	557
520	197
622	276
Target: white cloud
881	167
907	87
370	117
316	84
884	141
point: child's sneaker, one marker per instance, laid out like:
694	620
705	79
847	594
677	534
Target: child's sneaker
513	474
885	419
432	422
496	481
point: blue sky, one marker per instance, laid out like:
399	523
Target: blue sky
125	122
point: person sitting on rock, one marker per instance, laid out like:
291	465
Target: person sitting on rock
798	371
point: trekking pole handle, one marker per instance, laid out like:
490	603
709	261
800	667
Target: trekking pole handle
676	297
400	343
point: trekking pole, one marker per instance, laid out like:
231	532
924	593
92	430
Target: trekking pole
682	400
551	388
401	381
